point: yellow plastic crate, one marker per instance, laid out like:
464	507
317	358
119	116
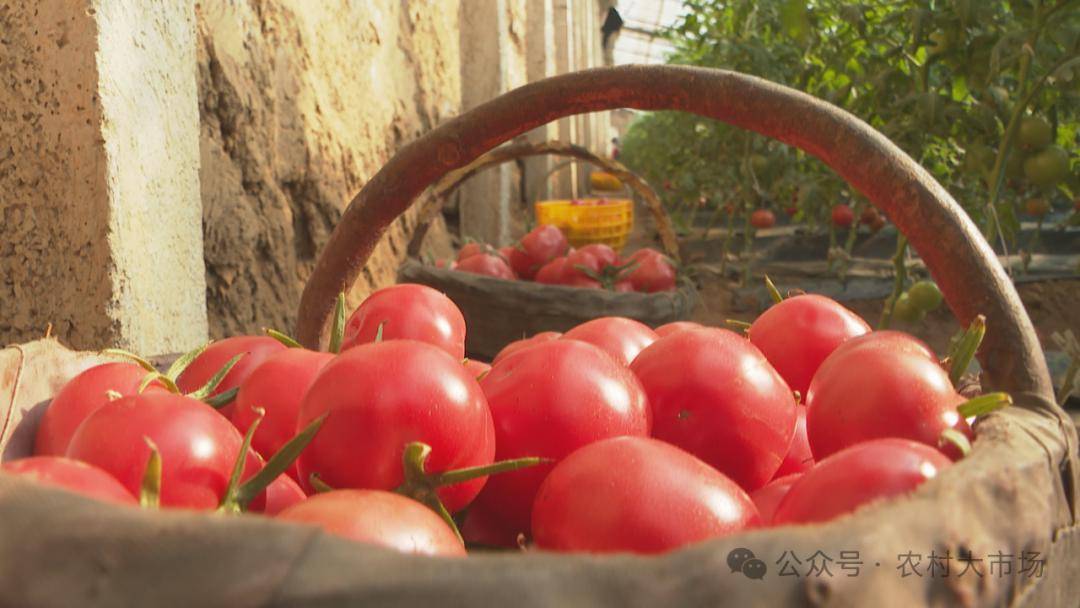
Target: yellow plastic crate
608	222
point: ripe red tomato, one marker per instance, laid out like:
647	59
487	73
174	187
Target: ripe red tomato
842	216
715	395
378	518
796	335
624	287
639	495
541	245
579	265
762	218
71	475
872	390
552	272
80	397
470	249
857	475
408	312
488	265
619	337
768	497
476	368
548	400
603	253
277	386
380	397
799	456
256	349
674	326
654	272
890	340
198	446
517	345
505	253
281	494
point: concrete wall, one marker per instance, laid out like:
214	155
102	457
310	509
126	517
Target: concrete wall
168	162
100	233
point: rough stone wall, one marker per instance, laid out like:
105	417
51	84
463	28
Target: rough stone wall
301	103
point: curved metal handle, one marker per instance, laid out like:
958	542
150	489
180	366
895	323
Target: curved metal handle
955	252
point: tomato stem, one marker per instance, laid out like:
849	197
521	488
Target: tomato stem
449	478
774	293
964	349
282	337
150	488
156	376
320	486
337	330
955	438
278	463
229	502
215	380
220	400
119	352
184	360
984	404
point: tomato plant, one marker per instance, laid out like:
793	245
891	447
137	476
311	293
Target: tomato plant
743	428
636	494
378	518
408	312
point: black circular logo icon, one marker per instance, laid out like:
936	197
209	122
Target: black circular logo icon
743	560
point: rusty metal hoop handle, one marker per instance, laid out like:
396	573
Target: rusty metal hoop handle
959	259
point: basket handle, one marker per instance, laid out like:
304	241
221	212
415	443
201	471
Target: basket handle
442	189
956	254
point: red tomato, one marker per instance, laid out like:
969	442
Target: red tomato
603	253
653	273
842	216
378	518
538	247
619	337
408	312
871	391
488	265
857	475
277	386
674	326
281	494
476	368
256	349
552	272
506	252
80	397
796	335
579	265
71	475
380	397
548	400
197	445
791	210
715	395
768	497
470	249
624	287
799	457
890	340
517	345
762	218
638	495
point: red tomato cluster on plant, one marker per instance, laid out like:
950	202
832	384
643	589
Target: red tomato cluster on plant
611	437
544	256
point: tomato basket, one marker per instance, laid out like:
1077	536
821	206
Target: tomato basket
590	220
1015	494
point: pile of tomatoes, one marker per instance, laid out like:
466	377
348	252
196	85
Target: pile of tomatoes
544	256
612	437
